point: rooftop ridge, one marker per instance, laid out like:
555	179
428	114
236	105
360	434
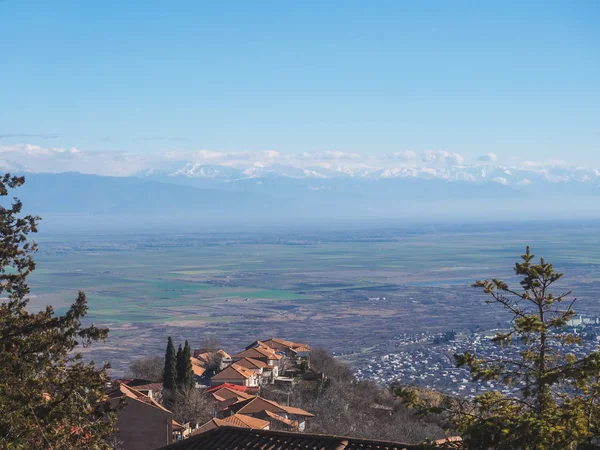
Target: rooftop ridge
328	442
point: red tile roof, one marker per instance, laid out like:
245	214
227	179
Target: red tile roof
236	420
281	344
251	363
177	426
232	438
124	391
223	405
296	411
233	372
257	404
242	421
259	353
235	387
205	356
154	387
282	420
210	425
227	393
198	366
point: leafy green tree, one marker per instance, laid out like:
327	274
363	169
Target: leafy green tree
49	397
170	371
558	402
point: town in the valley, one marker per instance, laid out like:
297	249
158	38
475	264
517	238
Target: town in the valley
232	387
427	359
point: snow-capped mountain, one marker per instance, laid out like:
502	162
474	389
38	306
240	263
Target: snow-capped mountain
269	187
193	166
500	174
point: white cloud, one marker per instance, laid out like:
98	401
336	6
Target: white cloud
404	156
431	164
31	150
549	163
442	158
329	155
271	154
41	159
55	160
488	157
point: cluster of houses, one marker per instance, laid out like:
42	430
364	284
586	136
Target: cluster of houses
233	385
235	403
262	362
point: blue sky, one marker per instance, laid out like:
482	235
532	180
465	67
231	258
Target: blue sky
518	79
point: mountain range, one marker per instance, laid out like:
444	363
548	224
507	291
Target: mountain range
256	193
507	175
424	183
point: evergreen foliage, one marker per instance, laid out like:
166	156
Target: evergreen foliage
187	376
170	372
558	405
185	373
180	368
49	397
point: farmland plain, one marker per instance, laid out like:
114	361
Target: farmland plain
345	289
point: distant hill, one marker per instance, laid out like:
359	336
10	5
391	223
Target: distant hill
92	194
277	199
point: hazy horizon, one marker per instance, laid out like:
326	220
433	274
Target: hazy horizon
410	84
307	113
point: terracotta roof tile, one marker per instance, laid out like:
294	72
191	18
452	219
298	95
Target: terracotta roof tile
237	421
154	387
290	423
210	425
227	393
242	421
205	356
129	392
255	405
224	405
233	372
296	411
251	363
177	426
258	353
281	344
218	398
231	438
198	367
235	387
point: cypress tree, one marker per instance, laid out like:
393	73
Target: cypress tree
180	369
187	380
170	376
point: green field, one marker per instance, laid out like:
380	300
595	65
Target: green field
318	285
133	279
